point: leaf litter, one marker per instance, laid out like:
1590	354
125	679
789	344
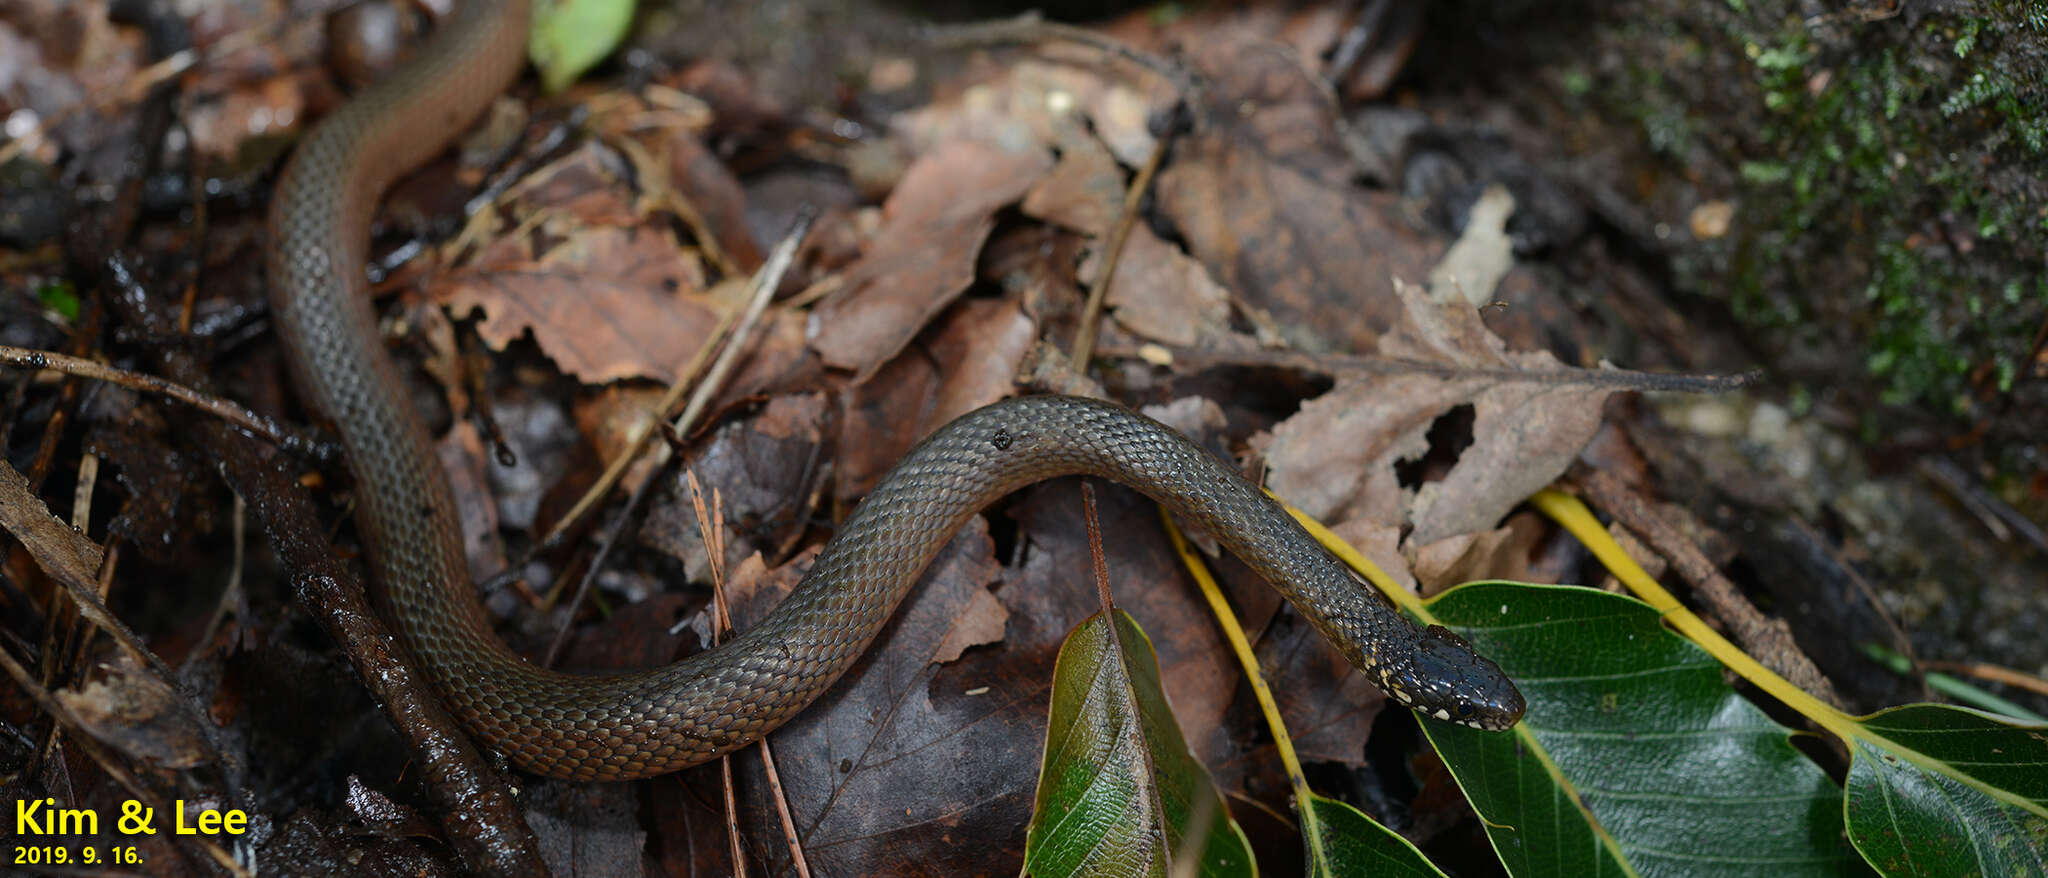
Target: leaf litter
595	275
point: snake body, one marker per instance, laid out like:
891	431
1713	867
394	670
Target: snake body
656	721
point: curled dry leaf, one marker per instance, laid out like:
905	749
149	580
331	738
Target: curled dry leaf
1501	553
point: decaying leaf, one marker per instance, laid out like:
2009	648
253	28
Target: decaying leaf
1342	456
937	218
765	468
606	303
1264	199
880	785
133	711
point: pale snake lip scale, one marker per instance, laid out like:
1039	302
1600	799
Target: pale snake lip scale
660	720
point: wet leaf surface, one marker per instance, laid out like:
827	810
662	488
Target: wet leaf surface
1636	756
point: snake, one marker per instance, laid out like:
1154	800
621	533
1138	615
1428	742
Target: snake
643	723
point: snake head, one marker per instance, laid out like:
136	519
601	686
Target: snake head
1445	679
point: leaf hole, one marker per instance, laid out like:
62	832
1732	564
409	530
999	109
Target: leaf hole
1449	435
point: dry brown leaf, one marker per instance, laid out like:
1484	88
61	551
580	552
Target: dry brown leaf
1030	102
1337	457
925	257
1264	198
1501	553
606	303
587	185
979	624
611	417
1165	295
464	458
1085	189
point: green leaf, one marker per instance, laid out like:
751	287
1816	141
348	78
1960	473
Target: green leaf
1636	757
1118	789
1937	790
570	36
59	296
1343	841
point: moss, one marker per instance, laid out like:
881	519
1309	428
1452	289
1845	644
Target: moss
1889	177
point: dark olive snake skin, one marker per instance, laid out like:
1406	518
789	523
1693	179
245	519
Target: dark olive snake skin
657	721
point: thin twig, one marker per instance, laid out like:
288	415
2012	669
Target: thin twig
264	428
231	594
1771	643
769	277
1350	364
17	508
1999	518
789	836
711	529
1095	554
761	289
1993	673
1091	313
764	285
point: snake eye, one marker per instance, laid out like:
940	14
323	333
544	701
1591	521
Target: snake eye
1464	709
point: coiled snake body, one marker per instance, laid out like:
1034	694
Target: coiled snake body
657	721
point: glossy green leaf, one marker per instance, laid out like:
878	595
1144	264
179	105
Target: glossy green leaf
1118	789
571	36
1636	757
1342	841
1936	790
